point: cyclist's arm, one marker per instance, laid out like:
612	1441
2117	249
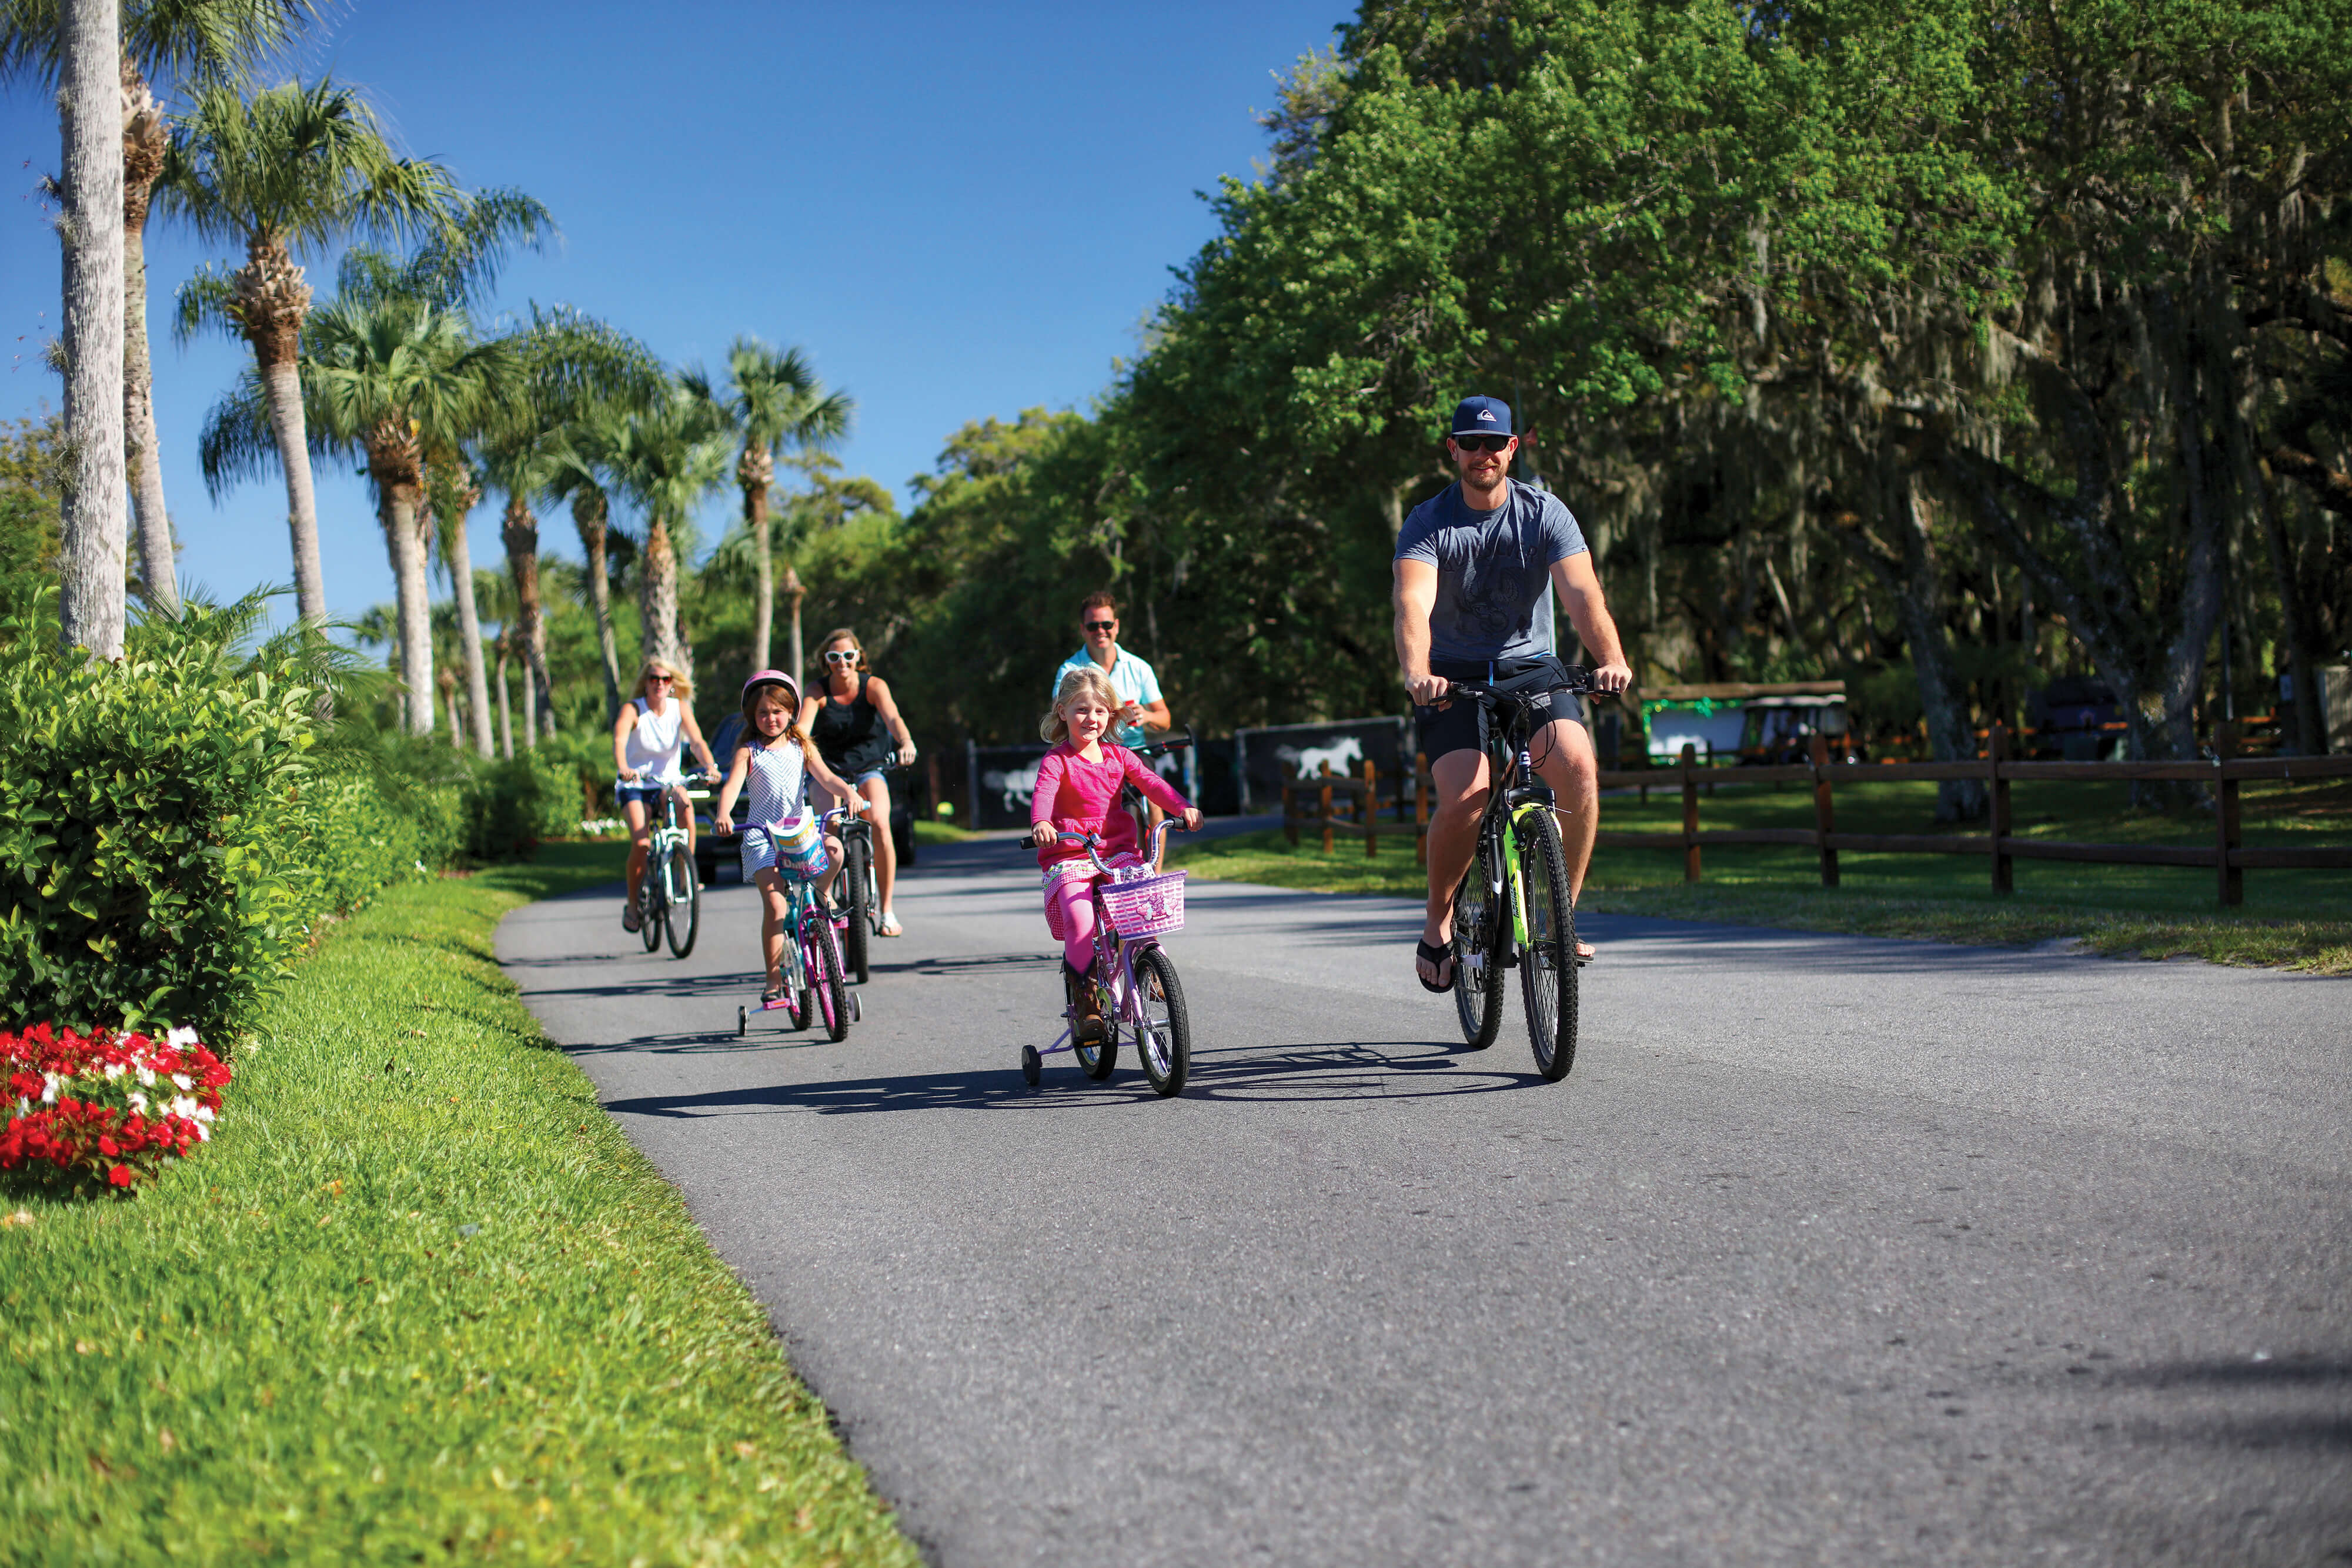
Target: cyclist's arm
1578	588
1158	790
621	727
831	781
1415	596
722	810
1050	768
701	746
1155	714
877	692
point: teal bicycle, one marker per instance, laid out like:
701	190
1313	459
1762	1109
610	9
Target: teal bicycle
1512	909
815	981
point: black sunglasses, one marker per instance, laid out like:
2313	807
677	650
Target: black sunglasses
1102	625
1483	442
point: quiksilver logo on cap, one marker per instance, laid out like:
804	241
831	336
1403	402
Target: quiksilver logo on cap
1487	414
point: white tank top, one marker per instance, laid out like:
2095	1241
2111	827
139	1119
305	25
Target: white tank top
654	741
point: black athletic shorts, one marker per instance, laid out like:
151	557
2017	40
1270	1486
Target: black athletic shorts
1457	725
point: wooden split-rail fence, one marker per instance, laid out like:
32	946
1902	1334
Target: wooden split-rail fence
1336	803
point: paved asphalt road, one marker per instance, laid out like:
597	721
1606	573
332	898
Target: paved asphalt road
1829	1251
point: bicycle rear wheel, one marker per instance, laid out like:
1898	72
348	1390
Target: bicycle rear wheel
858	874
649	905
1478	947
824	956
1548	964
1163	1040
683	888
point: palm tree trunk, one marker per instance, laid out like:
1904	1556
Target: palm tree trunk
91	608
143	157
506	709
269	302
793	595
763	602
657	593
588	517
459	556
397	503
520	534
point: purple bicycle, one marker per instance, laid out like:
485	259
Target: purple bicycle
1140	996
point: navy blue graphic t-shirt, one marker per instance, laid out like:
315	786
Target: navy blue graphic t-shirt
1491	568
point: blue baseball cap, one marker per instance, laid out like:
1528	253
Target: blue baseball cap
1481	416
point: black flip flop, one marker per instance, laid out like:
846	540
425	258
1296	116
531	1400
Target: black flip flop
1429	953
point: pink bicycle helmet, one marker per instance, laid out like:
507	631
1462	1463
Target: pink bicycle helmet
763	678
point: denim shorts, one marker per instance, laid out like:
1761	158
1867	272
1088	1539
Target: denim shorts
649	794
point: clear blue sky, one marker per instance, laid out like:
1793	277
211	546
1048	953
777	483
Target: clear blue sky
958	209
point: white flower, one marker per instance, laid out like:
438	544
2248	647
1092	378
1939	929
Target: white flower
183	1080
114	1069
146	1077
48	1088
181	1038
203	1112
204	1134
184	1107
139	1102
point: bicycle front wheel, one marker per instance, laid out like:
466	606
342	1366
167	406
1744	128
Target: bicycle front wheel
1548	963
1478	946
823	955
858	874
1164	1040
685	918
649	905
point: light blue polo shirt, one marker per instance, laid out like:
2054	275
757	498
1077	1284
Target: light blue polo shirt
1131	678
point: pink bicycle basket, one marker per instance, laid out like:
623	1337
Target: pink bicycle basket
1148	906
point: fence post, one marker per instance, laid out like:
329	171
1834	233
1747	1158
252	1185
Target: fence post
2233	879
1371	814
1690	812
2004	873
1325	808
972	783
1825	815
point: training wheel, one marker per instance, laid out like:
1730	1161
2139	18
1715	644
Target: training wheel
1031	1068
743	1021
857	1010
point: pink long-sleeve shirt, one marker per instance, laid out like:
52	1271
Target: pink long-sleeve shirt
1078	797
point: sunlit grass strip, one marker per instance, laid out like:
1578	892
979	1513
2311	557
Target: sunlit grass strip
1935	897
420	1300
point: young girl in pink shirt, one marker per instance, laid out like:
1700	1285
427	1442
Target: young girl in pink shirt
1078	792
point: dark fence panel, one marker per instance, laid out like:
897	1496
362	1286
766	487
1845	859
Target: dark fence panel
1001	781
1346	744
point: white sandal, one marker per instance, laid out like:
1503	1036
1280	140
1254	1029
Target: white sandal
889	927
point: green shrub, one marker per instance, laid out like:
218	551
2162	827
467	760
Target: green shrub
157	857
511	806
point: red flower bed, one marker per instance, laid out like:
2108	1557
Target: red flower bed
105	1107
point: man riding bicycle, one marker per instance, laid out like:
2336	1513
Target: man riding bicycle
1471	566
1142	709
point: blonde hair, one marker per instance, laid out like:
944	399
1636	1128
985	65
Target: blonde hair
1089	681
679	686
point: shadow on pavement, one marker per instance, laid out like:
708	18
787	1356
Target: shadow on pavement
1351	1070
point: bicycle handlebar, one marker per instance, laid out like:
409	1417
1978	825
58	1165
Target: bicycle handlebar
1093	841
1526	686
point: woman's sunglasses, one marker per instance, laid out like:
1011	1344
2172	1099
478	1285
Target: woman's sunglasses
661	680
841	656
1483	442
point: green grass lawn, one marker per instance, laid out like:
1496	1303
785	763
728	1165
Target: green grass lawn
2297	919
418	1302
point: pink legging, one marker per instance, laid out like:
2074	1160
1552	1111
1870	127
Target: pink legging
1070	914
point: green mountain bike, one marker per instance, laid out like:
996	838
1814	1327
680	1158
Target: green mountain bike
1512	909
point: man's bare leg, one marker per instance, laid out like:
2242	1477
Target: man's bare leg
1565	760
1459	779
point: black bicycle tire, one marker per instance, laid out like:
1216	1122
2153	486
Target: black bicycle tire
678	948
1153	966
1548	961
828	982
650	908
1479	919
856	868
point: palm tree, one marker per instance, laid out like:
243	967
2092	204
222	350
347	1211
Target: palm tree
186	41
398	382
572	364
578	461
452	490
292	168
669	456
773	403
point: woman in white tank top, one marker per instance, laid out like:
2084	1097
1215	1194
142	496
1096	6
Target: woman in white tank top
653	728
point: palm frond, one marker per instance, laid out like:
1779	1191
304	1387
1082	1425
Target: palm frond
201	305
236	443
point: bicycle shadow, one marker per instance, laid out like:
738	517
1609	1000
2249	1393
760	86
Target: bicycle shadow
1351	1070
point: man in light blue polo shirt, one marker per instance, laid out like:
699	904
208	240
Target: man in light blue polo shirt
1130	677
